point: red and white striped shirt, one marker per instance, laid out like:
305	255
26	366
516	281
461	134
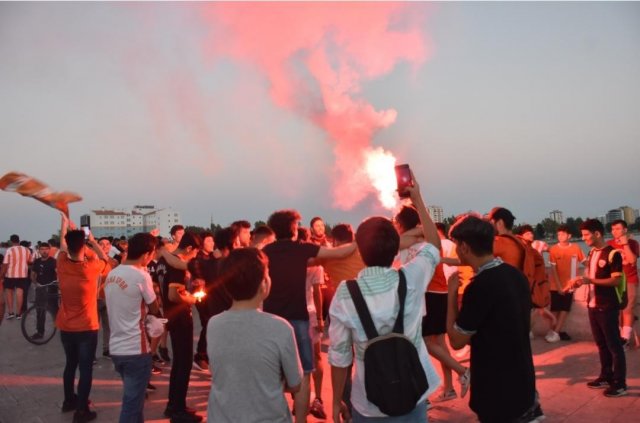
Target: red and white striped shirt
17	260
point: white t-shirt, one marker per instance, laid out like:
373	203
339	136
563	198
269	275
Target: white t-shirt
127	291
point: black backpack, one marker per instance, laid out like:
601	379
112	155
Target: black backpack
394	379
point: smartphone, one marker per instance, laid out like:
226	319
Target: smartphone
404	179
87	232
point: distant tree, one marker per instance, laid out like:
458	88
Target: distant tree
448	221
214	227
539	232
550	226
259	223
195	229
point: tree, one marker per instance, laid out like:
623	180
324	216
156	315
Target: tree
539	232
214	227
195	229
259	223
550	226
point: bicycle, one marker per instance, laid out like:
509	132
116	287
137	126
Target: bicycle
39	321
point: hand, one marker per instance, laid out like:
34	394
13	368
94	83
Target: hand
320	327
197	283
453	284
341	413
623	240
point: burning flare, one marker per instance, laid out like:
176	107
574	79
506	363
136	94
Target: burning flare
379	165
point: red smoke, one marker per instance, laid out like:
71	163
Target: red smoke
316	56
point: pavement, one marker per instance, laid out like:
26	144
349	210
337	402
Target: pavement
31	385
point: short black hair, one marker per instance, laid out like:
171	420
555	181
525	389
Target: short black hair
592	225
523	229
241	224
225	238
564	228
619	222
342	233
141	244
477	233
176	228
378	241
408	217
75	241
15	239
314	220
500	213
44	245
190	239
242	272
303	234
441	227
283	223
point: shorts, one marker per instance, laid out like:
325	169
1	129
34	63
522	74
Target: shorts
561	302
13	283
435	322
303	342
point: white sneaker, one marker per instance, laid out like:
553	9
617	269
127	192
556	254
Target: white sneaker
465	381
552	336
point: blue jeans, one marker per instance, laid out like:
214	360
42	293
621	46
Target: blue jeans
418	415
135	371
79	350
304	344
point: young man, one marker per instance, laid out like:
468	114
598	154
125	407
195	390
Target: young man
603	275
177	302
103	315
243	229
261	236
494	319
15	269
564	257
288	261
378	242
259	350
434	323
629	249
78	270
43	274
128	292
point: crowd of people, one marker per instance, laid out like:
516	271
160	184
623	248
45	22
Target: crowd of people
266	297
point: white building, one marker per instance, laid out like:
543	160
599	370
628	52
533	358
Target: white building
556	216
615	214
122	222
436	213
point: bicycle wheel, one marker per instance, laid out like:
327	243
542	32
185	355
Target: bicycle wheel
38	333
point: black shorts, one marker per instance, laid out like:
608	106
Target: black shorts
13	283
435	322
561	302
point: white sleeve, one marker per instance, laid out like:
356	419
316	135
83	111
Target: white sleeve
146	289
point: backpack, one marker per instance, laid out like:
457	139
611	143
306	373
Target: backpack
535	272
394	379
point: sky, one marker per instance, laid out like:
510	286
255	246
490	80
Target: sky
232	111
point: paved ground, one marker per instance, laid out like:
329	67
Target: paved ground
31	385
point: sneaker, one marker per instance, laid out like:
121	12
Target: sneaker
69	405
170	411
11	316
164	353
625	342
37	336
201	365
599	383
552	336
615	391
156	370
151	388
317	409
446	395
84	416
156	359
465	381
185	417
19	317
564	336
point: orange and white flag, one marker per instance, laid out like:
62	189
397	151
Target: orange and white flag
31	187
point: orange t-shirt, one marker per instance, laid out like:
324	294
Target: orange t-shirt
343	269
508	250
562	257
78	282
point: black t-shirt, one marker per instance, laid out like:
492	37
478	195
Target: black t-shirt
167	275
207	267
45	270
496	308
609	265
288	272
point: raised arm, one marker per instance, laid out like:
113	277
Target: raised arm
429	230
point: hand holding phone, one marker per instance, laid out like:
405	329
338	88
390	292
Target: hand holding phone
404	179
87	232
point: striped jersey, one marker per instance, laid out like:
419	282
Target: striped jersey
17	260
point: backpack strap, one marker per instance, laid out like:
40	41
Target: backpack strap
402	295
362	309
